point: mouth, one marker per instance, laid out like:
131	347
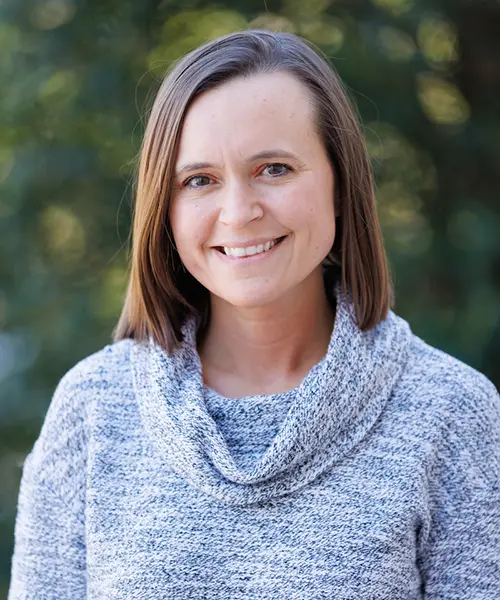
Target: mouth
250	250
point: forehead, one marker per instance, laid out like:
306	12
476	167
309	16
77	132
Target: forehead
247	114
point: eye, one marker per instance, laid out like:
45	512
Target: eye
197	181
276	169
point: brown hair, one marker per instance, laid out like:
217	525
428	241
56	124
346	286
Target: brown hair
161	293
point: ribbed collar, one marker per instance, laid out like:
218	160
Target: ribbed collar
334	408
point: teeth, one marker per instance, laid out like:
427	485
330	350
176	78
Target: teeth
250	250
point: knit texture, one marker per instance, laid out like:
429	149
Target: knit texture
376	478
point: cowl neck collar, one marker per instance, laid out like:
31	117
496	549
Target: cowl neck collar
332	410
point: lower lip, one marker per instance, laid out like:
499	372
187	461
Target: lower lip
246	260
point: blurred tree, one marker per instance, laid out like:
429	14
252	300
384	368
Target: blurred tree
76	80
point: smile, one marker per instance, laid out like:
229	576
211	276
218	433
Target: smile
245	251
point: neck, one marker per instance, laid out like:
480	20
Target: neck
267	349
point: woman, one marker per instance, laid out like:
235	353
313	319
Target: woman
263	426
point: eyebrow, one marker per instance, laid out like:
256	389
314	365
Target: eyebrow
198	166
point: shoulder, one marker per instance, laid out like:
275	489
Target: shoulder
64	432
437	372
107	364
98	375
429	372
459	413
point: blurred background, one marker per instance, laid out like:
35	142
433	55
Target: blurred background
76	77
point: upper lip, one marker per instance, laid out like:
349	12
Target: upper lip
247	243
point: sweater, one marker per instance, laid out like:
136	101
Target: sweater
377	478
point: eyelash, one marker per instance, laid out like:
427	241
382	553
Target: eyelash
289	169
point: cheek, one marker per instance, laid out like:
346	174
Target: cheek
310	209
191	226
315	221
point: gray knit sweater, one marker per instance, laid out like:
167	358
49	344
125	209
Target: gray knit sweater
377	478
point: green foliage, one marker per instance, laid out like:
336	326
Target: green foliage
75	80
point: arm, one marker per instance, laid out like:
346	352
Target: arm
49	553
49	548
460	556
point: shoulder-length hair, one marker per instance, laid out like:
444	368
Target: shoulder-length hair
161	293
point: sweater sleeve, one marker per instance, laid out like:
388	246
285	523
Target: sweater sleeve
460	557
49	538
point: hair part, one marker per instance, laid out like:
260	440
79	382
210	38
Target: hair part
161	293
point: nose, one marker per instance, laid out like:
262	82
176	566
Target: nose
239	204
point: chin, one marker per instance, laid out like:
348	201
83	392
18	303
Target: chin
249	298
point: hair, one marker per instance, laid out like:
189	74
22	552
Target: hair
161	293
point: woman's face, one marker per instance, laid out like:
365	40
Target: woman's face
252	210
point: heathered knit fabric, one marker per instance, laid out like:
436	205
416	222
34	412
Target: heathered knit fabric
377	478
248	424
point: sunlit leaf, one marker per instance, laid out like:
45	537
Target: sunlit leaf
395	6
187	30
437	39
326	31
52	13
60	89
441	100
273	22
396	44
63	235
299	9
